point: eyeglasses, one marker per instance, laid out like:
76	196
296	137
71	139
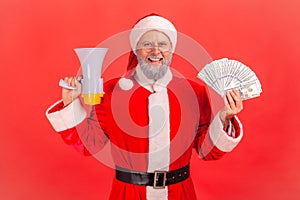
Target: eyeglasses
162	46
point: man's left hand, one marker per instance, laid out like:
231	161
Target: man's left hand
233	105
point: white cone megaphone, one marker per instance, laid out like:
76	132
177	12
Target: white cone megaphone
91	60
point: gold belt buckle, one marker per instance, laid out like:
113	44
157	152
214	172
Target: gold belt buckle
156	179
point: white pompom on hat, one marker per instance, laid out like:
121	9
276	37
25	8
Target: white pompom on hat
153	23
125	83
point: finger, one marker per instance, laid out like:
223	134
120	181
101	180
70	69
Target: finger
228	107
231	100
226	102
238	103
228	112
77	84
236	91
74	80
69	81
238	99
66	79
236	94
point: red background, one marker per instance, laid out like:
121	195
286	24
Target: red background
37	38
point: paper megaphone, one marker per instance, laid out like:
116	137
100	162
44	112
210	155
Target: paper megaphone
91	60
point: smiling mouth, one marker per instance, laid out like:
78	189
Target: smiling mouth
155	60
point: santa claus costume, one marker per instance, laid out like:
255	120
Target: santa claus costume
152	126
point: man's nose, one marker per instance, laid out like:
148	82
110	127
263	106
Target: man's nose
155	49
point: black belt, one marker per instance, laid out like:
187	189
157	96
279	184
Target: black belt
158	179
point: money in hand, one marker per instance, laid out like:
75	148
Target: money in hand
224	74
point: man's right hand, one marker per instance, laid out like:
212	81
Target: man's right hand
69	95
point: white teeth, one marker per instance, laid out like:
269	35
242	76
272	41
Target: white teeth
154	59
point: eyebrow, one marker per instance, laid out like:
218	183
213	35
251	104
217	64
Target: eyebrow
166	41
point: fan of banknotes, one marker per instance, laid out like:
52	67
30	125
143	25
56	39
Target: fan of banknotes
224	74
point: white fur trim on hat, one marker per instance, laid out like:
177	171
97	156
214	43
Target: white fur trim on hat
153	23
125	84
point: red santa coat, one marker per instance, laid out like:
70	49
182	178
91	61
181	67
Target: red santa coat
151	126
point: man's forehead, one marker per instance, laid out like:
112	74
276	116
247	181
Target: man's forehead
154	35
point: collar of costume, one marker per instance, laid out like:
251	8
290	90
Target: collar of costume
152	85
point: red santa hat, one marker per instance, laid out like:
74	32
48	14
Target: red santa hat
148	23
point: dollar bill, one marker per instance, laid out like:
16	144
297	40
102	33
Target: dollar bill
248	89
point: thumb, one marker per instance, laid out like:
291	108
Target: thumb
79	78
78	84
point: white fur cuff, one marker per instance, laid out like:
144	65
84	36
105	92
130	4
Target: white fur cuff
220	138
68	117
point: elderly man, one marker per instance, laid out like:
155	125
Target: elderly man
152	119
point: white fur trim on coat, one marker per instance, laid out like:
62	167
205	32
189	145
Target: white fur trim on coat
68	117
220	138
159	128
159	139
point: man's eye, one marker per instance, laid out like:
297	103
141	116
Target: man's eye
147	44
162	44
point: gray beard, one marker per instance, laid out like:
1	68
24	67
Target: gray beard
154	72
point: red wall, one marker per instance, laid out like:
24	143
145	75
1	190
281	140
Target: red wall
37	38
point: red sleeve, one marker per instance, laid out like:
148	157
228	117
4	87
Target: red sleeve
202	143
88	137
